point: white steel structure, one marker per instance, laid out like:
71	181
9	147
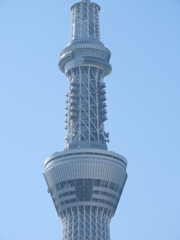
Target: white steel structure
85	180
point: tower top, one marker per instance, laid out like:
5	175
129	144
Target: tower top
85	21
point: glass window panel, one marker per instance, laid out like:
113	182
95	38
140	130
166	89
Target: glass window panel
57	187
95	200
63	184
104	184
97	183
65	194
111	185
116	187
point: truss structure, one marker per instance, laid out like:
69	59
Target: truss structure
85	21
86	223
86	107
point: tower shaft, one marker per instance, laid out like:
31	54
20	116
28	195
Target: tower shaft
86	110
85	180
86	222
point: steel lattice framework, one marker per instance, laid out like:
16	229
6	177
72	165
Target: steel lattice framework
85	180
86	223
86	107
85	21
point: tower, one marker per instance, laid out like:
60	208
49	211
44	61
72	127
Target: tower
85	180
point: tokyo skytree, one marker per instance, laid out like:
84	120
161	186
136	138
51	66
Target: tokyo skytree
85	180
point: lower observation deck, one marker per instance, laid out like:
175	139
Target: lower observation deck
85	186
85	177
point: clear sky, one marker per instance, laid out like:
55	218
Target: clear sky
143	98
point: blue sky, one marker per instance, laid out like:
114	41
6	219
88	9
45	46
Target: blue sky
143	98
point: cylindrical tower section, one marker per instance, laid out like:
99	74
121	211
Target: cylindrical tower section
86	108
85	21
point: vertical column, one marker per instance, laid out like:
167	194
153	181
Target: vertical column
80	109
89	106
